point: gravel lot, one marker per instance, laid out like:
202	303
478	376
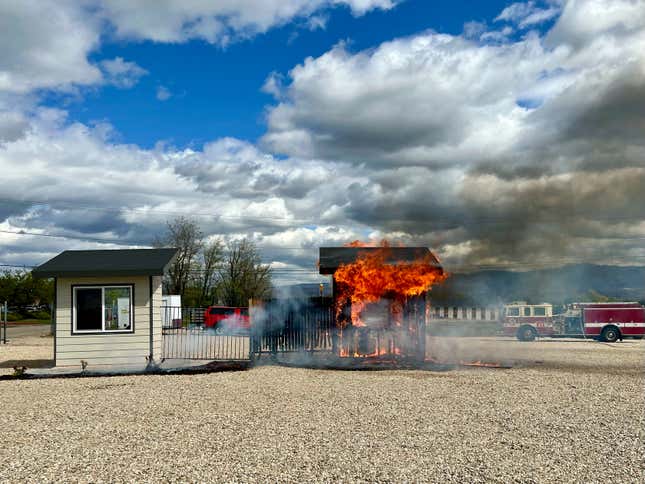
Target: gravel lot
27	343
568	411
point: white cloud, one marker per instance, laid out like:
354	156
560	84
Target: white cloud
217	22
121	73
431	99
584	21
44	44
487	149
163	93
92	187
526	14
520	134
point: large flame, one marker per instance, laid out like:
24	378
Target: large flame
374	275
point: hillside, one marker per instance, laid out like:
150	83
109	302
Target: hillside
581	282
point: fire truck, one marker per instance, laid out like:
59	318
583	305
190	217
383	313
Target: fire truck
603	321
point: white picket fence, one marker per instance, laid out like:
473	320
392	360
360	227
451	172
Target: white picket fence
442	313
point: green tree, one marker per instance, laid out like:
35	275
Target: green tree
20	289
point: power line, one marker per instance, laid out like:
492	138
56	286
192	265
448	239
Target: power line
77	206
462	220
131	243
18	266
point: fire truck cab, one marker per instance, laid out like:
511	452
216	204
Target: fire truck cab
528	321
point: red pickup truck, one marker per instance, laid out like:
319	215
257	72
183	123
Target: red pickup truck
227	320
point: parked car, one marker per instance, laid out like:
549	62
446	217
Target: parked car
227	320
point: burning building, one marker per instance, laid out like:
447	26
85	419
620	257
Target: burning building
380	299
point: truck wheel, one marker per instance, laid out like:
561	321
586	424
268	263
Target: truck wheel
610	334
526	333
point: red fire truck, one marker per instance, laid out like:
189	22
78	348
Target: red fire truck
604	321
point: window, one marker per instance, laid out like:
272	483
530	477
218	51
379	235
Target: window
539	311
100	309
513	311
527	311
222	311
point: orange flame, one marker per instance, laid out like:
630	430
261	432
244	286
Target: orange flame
373	275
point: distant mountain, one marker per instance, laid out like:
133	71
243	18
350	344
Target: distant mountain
581	282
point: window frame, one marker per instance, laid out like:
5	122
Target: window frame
102	331
519	312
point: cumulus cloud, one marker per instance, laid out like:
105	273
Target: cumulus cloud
121	73
522	150
45	44
526	14
493	150
163	93
86	186
217	22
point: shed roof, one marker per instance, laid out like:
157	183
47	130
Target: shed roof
121	262
332	257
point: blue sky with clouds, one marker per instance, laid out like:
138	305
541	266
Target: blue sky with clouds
501	134
215	91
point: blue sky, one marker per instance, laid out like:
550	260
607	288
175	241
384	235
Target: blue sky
216	91
500	134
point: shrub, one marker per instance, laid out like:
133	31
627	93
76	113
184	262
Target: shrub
40	315
13	317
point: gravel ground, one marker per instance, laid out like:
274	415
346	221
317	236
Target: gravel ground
568	411
30	345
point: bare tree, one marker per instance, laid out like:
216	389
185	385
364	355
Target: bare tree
243	276
185	235
212	257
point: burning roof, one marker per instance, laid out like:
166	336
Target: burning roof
331	258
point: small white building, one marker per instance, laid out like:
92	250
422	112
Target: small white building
107	306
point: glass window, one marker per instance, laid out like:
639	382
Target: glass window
88	310
539	311
102	309
527	311
117	308
222	311
513	311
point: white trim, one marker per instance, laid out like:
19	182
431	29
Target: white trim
629	324
613	309
102	330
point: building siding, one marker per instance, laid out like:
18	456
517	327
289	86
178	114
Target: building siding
110	349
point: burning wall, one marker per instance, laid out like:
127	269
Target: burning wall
380	297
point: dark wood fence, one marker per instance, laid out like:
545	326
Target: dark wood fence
293	325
